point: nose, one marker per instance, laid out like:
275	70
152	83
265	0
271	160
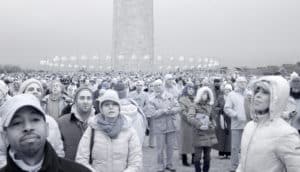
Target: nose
258	94
27	127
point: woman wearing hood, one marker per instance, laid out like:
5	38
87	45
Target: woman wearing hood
204	136
110	143
269	143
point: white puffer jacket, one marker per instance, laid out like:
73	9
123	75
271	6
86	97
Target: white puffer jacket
269	143
123	154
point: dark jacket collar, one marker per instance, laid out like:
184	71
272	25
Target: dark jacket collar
50	163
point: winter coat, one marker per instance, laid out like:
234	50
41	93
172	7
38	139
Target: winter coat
269	143
54	139
122	154
186	130
235	109
222	124
202	137
51	163
163	122
132	110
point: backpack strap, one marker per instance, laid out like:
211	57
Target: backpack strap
91	146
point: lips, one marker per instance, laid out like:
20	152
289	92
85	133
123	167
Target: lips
30	138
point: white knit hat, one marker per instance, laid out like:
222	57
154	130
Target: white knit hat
27	82
109	95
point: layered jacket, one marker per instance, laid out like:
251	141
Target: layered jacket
51	163
72	129
163	122
122	154
269	143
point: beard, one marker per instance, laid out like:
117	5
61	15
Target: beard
31	148
295	95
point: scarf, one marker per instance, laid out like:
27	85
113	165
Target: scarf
110	126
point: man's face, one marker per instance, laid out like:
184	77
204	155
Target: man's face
71	91
139	87
84	101
190	91
27	132
110	109
241	85
217	85
34	89
157	87
56	89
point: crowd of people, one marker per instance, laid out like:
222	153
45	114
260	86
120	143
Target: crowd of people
100	121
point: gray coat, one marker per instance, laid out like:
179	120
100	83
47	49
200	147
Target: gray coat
163	120
186	130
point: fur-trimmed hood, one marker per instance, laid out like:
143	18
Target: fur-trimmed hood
279	92
201	91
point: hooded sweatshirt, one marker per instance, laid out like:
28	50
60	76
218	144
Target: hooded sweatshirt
269	143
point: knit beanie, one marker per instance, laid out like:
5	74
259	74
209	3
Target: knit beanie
109	95
121	89
295	83
27	82
3	87
81	89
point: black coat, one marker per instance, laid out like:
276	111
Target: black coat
52	163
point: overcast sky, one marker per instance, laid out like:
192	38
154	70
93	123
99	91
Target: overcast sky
237	33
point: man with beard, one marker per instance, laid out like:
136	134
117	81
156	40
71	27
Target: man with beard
24	126
295	94
73	125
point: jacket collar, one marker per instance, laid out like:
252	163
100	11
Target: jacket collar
50	163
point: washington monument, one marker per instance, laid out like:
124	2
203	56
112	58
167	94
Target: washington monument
133	44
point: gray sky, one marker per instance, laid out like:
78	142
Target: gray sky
247	32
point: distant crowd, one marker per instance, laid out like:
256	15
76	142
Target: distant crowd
98	122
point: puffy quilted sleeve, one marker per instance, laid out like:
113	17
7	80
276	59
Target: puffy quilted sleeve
288	151
135	155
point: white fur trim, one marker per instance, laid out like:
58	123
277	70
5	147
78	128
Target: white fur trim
201	91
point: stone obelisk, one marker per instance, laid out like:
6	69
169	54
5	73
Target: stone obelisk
133	40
